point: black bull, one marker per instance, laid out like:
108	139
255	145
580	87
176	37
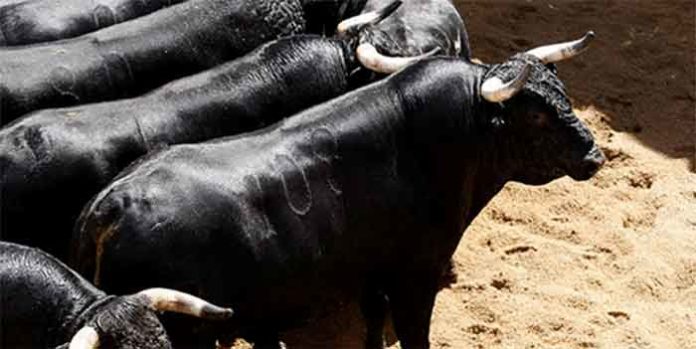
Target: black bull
44	303
130	58
363	196
54	160
31	21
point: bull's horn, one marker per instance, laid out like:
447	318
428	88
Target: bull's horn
371	59
372	17
86	338
558	52
163	299
495	90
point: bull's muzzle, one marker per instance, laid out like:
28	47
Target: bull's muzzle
589	165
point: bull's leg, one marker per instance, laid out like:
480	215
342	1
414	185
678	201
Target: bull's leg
374	309
411	303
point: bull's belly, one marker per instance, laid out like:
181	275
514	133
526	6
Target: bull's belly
293	302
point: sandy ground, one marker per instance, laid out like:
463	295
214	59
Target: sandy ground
608	263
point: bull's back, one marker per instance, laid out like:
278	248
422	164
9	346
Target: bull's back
262	216
252	212
127	59
250	221
204	225
33	21
53	161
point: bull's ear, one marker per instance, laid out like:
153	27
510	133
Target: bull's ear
552	67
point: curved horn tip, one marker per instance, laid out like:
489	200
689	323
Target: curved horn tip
371	59
352	24
86	338
561	51
163	299
213	312
589	36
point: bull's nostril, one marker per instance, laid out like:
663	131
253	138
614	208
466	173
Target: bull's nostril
595	159
600	158
591	167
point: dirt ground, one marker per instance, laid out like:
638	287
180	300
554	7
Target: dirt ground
608	263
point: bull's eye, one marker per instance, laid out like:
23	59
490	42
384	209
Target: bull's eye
539	119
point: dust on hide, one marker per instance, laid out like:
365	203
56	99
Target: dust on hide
133	57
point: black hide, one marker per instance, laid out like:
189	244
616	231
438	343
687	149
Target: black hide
25	22
44	303
53	161
324	15
40	298
133	57
417	27
32	21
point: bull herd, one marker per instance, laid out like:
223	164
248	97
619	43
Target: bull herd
236	168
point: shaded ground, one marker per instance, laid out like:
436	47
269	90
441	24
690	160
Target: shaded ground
639	71
609	263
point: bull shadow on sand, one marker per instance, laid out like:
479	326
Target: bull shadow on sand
639	71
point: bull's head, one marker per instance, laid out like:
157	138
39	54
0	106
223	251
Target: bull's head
130	322
372	37
533	112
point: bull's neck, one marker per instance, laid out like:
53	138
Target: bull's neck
64	295
82	298
449	120
87	311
